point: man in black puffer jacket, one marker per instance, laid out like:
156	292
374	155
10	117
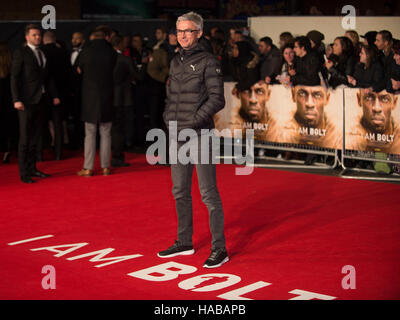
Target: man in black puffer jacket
195	92
195	88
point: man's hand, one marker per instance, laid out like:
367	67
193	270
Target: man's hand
267	79
56	101
351	80
292	72
19	105
328	64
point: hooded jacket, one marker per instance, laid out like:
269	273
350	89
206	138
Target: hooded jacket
195	88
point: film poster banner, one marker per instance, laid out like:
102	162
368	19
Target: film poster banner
372	121
302	115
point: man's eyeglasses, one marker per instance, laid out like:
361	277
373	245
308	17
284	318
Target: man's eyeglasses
186	31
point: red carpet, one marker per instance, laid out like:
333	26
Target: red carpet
291	230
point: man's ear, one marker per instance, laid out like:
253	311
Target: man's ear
359	98
395	102
328	95
268	93
293	94
200	34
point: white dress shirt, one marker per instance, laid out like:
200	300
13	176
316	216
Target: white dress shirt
36	52
74	55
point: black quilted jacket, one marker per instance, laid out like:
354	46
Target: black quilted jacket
195	89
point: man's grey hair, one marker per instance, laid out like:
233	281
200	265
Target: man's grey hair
192	16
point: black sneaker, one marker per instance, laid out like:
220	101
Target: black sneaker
216	259
176	250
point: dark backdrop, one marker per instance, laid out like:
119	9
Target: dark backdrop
13	32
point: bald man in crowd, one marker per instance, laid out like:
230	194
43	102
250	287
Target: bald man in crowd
58	65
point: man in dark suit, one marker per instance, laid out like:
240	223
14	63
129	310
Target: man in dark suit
30	87
75	94
58	65
96	63
123	75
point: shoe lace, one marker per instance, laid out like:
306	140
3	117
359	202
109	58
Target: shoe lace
213	255
175	245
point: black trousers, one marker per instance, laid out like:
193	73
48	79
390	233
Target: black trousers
31	121
182	185
55	113
76	126
140	109
156	101
118	134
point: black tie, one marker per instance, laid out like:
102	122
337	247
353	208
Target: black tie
40	57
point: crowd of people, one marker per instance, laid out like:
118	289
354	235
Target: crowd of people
116	82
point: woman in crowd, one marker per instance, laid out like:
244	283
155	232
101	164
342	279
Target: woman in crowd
284	39
8	115
368	72
393	84
329	50
317	46
355	39
341	63
244	62
288	62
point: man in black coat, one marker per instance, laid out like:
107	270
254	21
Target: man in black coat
271	60
123	98
195	94
384	43
31	86
96	63
75	94
307	66
58	65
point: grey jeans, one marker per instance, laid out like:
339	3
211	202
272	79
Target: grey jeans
182	183
90	144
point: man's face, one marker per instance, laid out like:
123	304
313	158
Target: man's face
159	35
310	102
377	109
297	50
379	42
396	58
172	39
237	37
34	37
77	39
188	34
136	42
126	40
262	47
253	101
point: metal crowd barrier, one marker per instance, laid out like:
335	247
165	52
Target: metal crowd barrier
343	159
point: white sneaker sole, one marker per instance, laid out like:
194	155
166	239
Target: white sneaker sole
182	253
217	265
